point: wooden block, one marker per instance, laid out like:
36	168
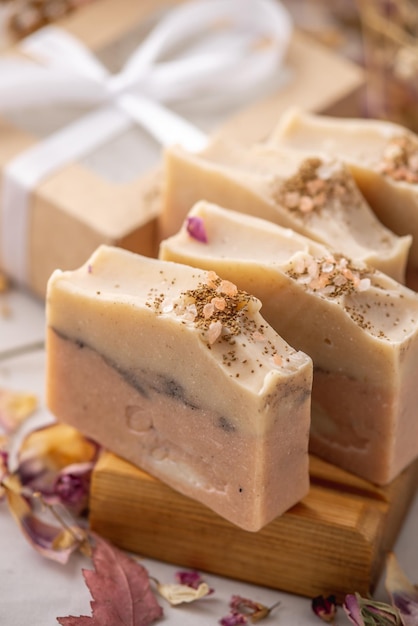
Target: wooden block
334	541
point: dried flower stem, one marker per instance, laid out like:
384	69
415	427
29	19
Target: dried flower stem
70	527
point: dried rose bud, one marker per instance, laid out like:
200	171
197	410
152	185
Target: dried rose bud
325	608
367	612
196	228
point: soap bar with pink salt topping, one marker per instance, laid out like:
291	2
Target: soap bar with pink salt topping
382	157
359	326
175	370
315	196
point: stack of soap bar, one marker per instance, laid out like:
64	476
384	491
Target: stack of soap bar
316	197
175	370
359	326
382	157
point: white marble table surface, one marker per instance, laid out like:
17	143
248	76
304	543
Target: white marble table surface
34	591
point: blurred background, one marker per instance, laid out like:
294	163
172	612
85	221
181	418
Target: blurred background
379	35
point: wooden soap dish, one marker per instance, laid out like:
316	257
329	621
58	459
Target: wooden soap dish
333	541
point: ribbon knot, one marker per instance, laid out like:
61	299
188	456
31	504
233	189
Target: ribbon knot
225	48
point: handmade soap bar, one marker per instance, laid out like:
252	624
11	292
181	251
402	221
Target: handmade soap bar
359	326
317	197
382	157
175	370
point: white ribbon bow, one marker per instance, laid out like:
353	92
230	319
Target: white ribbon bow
231	47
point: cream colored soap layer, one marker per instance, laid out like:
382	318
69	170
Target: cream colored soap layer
135	360
382	157
316	197
359	326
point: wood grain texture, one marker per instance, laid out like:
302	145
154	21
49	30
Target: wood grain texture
334	541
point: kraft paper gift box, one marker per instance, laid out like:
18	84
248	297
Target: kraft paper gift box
112	195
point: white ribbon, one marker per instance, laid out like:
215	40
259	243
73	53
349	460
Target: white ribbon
229	48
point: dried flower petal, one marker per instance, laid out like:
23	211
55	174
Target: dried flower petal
325	608
178	594
367	612
191	578
403	594
247	608
233	619
57	461
72	485
56	542
15	408
195	227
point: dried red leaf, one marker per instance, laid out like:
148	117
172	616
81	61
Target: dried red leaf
120	589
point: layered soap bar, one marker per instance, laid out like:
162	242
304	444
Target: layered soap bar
175	370
316	197
359	326
382	157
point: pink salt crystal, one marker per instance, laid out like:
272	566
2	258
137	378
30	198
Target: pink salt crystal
208	310
364	284
277	359
219	303
228	288
306	204
315	185
319	200
211	279
214	331
292	199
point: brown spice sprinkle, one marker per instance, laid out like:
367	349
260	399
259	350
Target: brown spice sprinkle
217	307
400	159
316	184
332	276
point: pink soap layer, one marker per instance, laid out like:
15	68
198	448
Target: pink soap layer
356	425
148	421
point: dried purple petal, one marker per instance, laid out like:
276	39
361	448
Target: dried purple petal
57	461
403	594
72	485
191	578
195	227
325	608
233	619
54	541
247	608
367	612
352	608
243	605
